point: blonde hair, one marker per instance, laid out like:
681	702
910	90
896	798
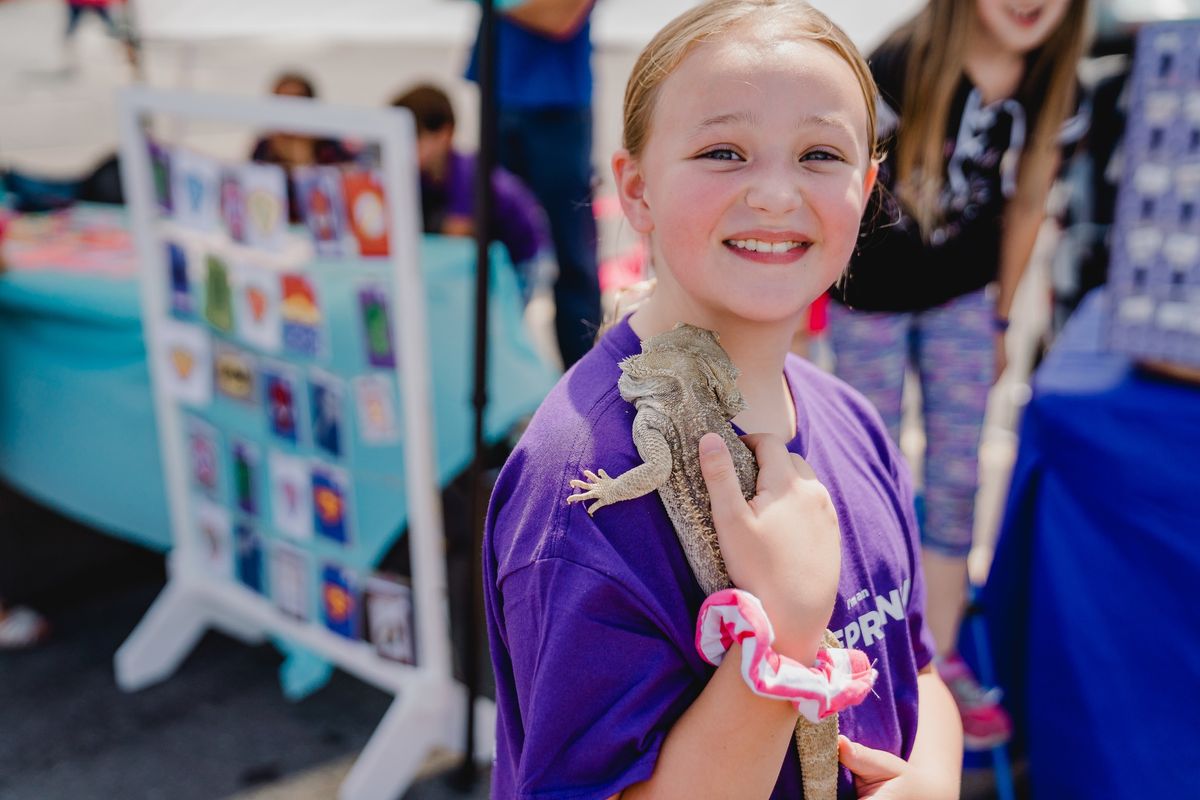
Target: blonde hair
936	59
709	21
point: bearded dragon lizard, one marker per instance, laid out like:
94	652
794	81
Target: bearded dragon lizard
683	386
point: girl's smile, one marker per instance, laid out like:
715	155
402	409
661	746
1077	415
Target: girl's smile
769	247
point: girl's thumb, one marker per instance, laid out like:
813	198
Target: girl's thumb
868	765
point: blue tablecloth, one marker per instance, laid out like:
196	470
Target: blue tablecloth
1092	598
77	428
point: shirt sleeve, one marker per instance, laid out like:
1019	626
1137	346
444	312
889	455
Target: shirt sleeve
598	681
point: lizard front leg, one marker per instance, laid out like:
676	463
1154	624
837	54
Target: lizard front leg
645	478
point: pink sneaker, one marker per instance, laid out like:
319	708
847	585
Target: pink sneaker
985	723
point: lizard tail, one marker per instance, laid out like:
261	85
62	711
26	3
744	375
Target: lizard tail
817	744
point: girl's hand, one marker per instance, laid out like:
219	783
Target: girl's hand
877	773
784	545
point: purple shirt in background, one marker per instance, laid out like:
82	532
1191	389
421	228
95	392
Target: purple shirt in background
591	620
519	223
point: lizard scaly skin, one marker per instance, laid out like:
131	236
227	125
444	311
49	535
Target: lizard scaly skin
683	386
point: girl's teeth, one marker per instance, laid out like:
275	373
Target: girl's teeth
755	246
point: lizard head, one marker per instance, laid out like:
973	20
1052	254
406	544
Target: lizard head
685	355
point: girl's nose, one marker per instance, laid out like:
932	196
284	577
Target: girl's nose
773	190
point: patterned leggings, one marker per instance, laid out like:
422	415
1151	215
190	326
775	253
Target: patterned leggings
951	348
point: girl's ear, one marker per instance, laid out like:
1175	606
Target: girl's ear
631	189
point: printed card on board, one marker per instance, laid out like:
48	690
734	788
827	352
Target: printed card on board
376	326
280	385
218	296
323	207
339	601
256	307
375	402
214	534
180	283
326	405
235	373
389	618
301	315
290	581
204	457
291	508
246	476
249	562
331	507
185	354
367	210
195	200
233	205
265	188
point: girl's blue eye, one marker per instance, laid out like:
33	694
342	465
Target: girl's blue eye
721	154
820	155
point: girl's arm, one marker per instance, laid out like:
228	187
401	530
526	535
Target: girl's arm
934	768
731	742
728	744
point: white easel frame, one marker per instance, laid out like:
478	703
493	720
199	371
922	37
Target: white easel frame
430	706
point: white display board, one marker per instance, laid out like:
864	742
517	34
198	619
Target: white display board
429	709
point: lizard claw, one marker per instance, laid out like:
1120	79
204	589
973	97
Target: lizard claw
598	487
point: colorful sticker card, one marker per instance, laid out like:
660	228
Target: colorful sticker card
367	211
265	189
218	296
290	581
214	531
377	329
291	509
182	302
194	190
330	491
235	373
204	457
326	404
245	476
389	619
279	392
323	207
256	308
339	602
249	562
301	316
375	401
185	354
233	206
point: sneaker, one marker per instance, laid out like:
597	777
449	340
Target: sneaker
985	723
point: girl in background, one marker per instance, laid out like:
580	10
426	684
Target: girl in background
973	97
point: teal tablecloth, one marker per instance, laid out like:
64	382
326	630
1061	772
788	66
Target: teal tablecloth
77	428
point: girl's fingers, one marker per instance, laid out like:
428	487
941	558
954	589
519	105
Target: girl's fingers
869	765
775	468
716	464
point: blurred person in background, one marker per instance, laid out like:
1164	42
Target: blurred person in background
77	8
544	91
295	149
448	188
974	96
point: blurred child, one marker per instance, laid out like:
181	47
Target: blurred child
448	188
973	95
748	159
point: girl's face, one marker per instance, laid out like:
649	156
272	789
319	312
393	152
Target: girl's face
754	177
1020	25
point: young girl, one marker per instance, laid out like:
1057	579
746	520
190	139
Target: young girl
748	161
976	94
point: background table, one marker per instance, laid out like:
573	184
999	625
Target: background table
1092	601
77	430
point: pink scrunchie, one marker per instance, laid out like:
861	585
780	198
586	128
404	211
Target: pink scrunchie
840	679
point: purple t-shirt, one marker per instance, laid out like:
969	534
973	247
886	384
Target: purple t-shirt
519	221
592	620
